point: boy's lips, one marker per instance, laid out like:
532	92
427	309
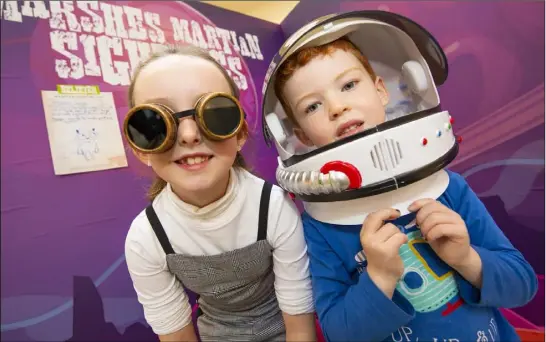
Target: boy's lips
349	128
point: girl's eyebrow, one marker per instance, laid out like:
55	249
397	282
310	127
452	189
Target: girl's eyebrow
167	101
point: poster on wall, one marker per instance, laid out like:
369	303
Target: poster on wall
83	130
102	43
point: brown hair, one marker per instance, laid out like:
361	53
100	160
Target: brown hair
302	57
186	50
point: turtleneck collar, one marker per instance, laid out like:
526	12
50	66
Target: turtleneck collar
215	209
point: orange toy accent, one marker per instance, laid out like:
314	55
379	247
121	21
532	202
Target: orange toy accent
530	335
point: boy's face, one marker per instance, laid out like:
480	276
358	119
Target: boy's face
333	97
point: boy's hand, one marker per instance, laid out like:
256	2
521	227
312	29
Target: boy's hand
381	243
444	230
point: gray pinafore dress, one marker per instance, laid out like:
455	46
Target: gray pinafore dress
236	291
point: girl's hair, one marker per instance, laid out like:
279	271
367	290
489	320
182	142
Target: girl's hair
186	50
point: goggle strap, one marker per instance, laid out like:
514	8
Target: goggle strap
191	112
183	114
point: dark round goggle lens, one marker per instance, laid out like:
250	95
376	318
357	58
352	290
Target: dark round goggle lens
221	115
147	129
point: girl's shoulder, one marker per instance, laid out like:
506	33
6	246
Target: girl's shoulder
140	231
280	202
254	183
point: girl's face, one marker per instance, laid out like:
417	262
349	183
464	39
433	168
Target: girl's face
195	167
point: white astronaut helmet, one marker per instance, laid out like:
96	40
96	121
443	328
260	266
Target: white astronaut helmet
416	140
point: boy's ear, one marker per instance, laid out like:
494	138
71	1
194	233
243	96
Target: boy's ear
381	91
302	137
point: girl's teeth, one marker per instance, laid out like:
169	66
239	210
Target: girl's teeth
195	160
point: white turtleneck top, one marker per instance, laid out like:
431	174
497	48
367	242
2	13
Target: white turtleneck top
225	225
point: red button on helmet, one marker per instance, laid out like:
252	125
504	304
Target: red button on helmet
355	179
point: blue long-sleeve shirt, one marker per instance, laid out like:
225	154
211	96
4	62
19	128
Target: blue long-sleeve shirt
432	302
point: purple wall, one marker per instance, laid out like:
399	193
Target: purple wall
63	271
495	92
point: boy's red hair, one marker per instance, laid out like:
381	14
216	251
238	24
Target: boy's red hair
303	57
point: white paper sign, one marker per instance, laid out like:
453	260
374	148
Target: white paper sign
83	130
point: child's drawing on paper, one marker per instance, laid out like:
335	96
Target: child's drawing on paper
87	144
84	132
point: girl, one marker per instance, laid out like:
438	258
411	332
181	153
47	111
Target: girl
212	227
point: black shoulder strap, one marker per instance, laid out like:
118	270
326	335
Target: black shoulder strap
264	211
158	230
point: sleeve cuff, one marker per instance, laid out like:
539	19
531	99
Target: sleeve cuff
293	308
472	295
397	311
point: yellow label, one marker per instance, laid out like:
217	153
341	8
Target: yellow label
77	89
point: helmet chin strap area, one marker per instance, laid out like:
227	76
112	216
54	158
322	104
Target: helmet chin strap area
333	177
355	211
312	182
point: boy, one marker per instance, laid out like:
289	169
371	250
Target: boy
330	92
